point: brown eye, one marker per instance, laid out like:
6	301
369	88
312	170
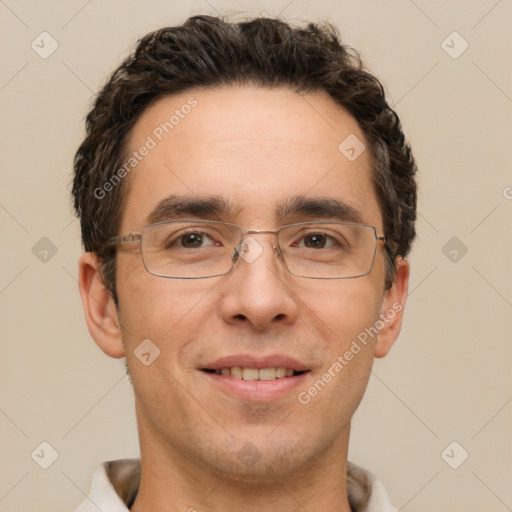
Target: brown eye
315	241
191	240
318	241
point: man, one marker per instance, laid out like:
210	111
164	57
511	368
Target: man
247	202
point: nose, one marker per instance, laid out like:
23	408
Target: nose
257	291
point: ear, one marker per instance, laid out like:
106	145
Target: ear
392	310
99	307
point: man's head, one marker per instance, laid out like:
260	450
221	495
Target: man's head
206	52
245	124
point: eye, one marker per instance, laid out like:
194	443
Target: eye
190	240
317	241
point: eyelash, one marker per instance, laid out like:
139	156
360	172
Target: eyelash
179	237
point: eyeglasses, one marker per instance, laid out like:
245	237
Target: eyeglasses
196	249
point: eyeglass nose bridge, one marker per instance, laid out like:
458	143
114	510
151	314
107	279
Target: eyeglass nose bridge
240	248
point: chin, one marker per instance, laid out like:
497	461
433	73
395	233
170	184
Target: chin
262	460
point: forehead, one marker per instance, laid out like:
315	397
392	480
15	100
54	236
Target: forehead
255	149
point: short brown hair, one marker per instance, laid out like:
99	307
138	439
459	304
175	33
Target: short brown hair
208	52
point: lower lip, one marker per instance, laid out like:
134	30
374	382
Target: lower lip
257	390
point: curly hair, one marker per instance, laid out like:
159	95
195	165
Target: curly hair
209	52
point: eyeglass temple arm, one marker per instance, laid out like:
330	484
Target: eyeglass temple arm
132	237
390	245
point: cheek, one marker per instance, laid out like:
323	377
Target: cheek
169	312
340	316
343	309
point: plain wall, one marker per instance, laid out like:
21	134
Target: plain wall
448	377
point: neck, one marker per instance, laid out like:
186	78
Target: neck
173	480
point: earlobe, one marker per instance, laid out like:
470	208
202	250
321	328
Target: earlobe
392	309
100	311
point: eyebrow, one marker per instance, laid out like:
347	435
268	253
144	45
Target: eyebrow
175	207
325	208
217	208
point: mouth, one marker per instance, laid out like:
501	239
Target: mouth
251	374
257	379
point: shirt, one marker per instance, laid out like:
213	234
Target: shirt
115	485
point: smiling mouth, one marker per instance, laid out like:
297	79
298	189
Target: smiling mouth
249	374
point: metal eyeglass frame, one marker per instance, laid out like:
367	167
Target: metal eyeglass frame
133	237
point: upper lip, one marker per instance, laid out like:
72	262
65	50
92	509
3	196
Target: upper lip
254	361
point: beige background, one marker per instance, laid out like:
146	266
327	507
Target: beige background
448	377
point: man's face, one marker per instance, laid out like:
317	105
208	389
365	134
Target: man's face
256	149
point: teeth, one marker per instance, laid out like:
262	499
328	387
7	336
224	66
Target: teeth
256	374
250	374
280	372
267	374
236	372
